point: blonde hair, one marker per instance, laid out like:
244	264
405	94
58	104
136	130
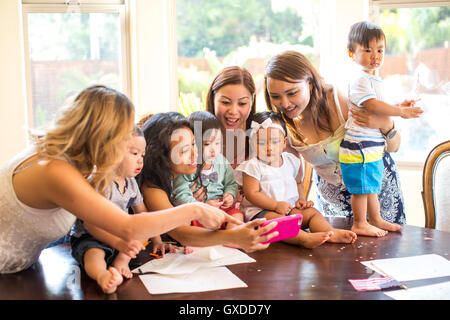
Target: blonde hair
88	133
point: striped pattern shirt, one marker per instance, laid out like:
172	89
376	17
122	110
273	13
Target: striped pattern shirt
362	144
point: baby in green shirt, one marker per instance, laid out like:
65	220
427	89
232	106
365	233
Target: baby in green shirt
214	172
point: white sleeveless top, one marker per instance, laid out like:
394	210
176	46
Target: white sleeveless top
25	231
324	155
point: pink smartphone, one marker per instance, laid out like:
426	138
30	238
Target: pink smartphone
287	227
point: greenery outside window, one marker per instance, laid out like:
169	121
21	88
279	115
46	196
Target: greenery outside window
213	34
417	66
69	47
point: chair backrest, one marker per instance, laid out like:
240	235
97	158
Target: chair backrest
436	188
307	178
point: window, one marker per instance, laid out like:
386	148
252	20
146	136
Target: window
69	47
417	66
213	34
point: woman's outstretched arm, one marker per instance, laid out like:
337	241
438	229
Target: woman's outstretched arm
243	235
63	185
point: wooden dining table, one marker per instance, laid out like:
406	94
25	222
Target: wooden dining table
281	272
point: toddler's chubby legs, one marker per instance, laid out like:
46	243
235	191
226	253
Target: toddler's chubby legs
360	204
321	230
375	219
95	267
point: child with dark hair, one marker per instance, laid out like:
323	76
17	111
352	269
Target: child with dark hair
101	253
171	152
214	172
272	184
361	150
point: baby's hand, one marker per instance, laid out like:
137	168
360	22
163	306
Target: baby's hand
215	203
302	204
130	248
283	207
228	200
158	245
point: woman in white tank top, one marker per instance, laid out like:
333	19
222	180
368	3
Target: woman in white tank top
315	114
45	187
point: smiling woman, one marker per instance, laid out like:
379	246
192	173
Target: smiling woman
66	175
231	98
299	90
157	185
232	105
315	118
183	155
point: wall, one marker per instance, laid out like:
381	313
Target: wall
411	182
13	113
154	85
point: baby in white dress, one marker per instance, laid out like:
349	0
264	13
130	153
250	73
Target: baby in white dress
272	184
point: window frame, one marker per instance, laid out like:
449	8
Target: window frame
88	6
408	3
375	6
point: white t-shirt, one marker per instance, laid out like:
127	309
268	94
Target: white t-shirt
279	183
25	231
130	198
363	87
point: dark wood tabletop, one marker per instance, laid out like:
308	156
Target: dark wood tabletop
281	272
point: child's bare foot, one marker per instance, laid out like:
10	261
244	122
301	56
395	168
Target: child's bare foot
343	236
311	240
383	224
121	263
110	280
366	229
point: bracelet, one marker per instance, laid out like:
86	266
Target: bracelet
391	134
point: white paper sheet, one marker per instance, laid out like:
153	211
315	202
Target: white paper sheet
205	257
438	291
411	268
205	279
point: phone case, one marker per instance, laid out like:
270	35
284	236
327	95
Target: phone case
287	227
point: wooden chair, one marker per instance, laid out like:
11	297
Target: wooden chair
436	187
307	178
